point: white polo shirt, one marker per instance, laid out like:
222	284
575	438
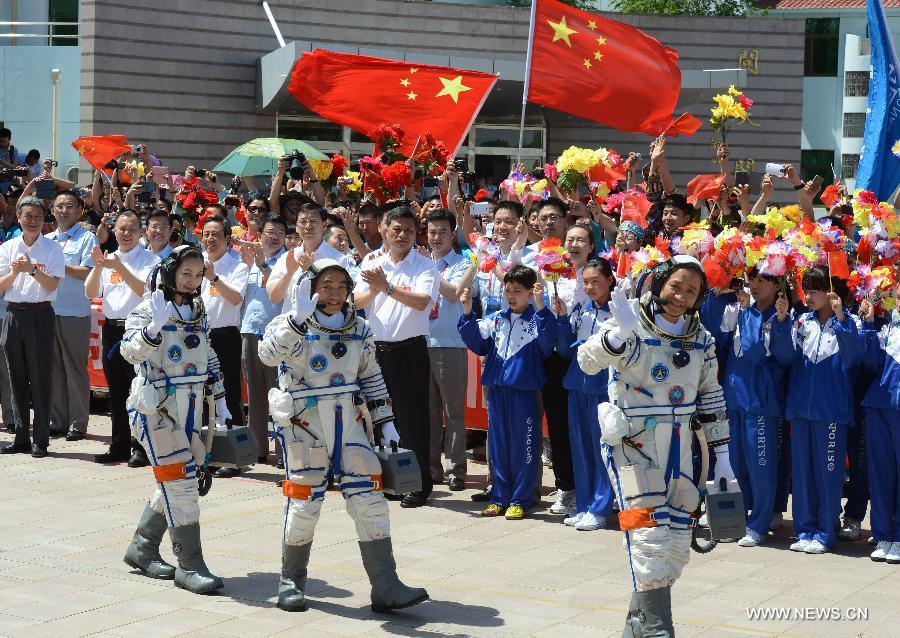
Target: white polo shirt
234	272
45	254
324	251
391	320
118	297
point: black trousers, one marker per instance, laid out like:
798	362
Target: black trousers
226	342
407	373
119	375
556	408
28	335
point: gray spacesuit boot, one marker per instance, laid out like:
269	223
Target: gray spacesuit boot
143	552
650	615
387	591
294	559
192	573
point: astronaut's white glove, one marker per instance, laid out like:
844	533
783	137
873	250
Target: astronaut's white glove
389	433
222	413
723	464
304	305
159	310
626	315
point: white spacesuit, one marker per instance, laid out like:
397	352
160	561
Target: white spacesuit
330	399
659	382
175	366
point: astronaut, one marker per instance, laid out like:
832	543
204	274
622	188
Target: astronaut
329	400
665	371
166	339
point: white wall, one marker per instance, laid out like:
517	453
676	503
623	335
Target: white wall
26	104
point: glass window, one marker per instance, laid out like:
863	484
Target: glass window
359	137
508	137
815	162
309	130
849	164
856	83
63	11
821	52
854	124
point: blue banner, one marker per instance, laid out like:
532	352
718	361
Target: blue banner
879	168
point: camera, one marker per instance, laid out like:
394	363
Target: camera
461	165
200	172
54	163
114	165
298	163
139	148
231	201
7	174
538	173
235	185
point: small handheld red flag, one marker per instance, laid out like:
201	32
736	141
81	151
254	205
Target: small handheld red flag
98	150
837	265
635	208
685	124
705	187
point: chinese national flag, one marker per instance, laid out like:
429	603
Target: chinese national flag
837	264
362	92
635	209
686	124
601	70
99	149
705	187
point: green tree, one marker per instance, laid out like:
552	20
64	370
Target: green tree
689	7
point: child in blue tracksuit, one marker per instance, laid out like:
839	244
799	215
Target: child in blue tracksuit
514	342
593	491
819	406
880	351
753	384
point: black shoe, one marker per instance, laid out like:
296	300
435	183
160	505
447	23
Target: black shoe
413	500
138	459
16	449
57	434
227	472
38	452
457	484
10	428
75	435
110	457
483	496
393	497
279	463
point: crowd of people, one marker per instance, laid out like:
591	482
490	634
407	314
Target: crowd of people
608	305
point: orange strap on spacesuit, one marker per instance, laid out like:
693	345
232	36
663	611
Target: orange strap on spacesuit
299	492
637	518
166	473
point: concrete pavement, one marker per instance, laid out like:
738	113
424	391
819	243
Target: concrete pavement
65	523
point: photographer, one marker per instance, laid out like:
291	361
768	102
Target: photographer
58	184
299	168
70	386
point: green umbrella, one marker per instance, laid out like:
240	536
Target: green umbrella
260	156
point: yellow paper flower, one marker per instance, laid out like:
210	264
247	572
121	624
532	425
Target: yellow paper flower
356	184
775	220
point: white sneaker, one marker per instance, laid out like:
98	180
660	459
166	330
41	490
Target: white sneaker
815	547
777	522
572	521
799	546
752	539
564	502
881	551
703	522
893	555
589	522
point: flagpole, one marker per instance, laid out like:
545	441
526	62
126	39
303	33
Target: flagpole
525	84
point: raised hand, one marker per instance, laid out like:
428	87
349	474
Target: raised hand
466	300
837	306
304	305
624	312
159	313
781	306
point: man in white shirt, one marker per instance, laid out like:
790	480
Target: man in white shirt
224	284
31	267
159	232
120	279
282	282
399	288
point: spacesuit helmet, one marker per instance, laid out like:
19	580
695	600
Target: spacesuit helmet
163	276
662	271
